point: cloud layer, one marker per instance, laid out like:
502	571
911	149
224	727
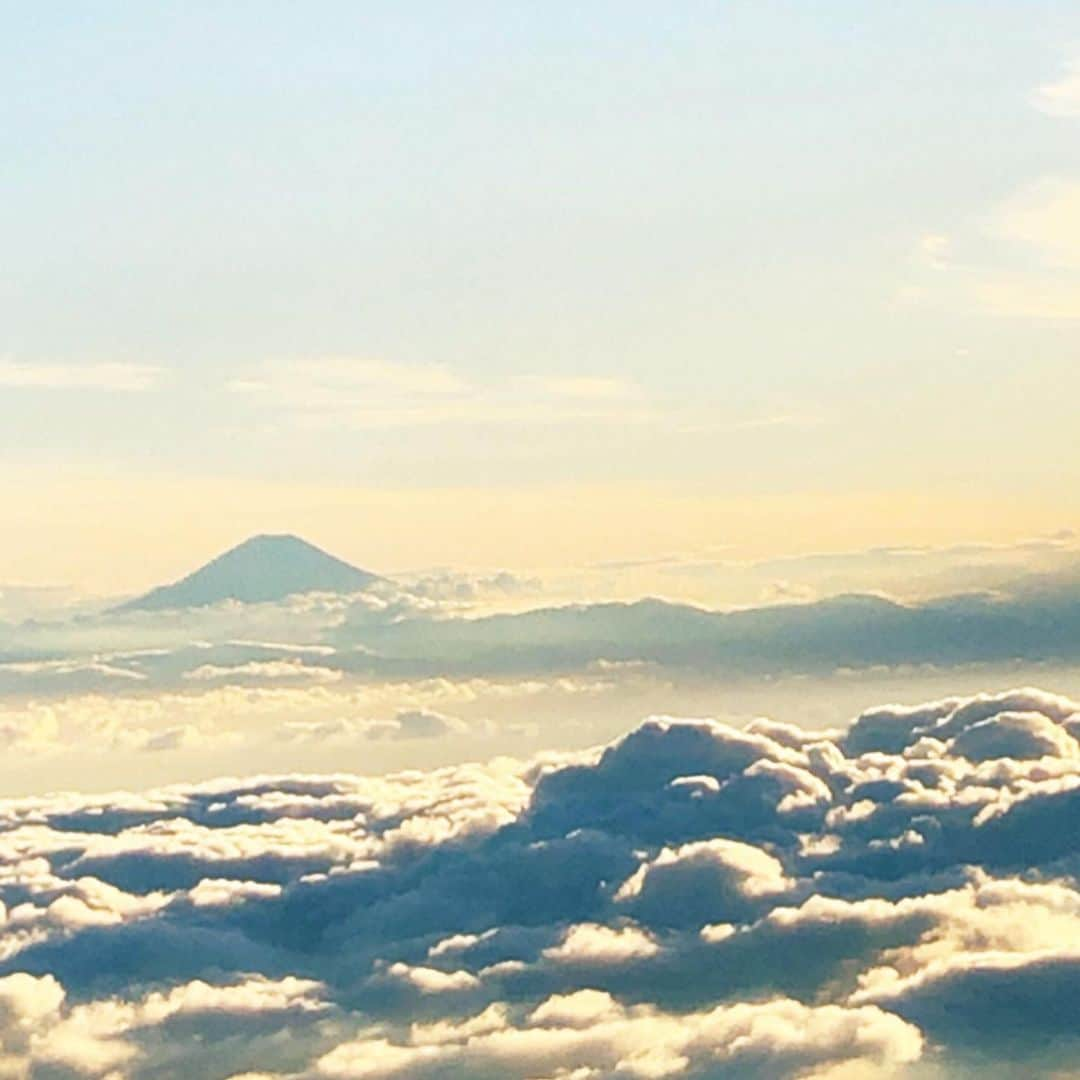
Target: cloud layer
693	900
433	628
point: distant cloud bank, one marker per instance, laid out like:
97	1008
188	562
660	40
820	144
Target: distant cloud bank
109	377
692	901
266	631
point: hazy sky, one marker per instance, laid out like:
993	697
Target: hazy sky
518	283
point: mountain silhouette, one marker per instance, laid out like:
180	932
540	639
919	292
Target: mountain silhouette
261	569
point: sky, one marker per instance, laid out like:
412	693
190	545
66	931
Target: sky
692	902
613	280
698	382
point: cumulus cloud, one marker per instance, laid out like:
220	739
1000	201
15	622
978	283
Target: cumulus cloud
706	881
41	1033
781	1038
592	943
691	901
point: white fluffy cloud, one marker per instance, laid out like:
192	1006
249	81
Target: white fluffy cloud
706	881
603	1038
596	944
692	901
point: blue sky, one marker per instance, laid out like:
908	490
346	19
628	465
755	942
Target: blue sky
549	313
735	250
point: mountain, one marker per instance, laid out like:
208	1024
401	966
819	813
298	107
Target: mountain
263	568
848	631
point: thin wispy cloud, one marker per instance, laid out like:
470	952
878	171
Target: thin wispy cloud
934	249
319	383
376	395
1018	258
1060	97
1044	217
583	387
1039	272
115	377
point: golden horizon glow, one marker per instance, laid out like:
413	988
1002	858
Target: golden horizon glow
112	532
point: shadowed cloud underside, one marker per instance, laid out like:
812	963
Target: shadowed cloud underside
693	901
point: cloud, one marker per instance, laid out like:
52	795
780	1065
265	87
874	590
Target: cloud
781	1038
704	882
61	733
391	680
440	626
1028	296
584	387
692	900
431	980
1045	217
906	573
935	248
1062	96
461	591
1016	735
42	1033
593	944
316	383
850	631
112	377
20	602
405	725
258	671
375	395
1020	259
417	724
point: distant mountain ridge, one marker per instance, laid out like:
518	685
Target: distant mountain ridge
847	631
262	569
